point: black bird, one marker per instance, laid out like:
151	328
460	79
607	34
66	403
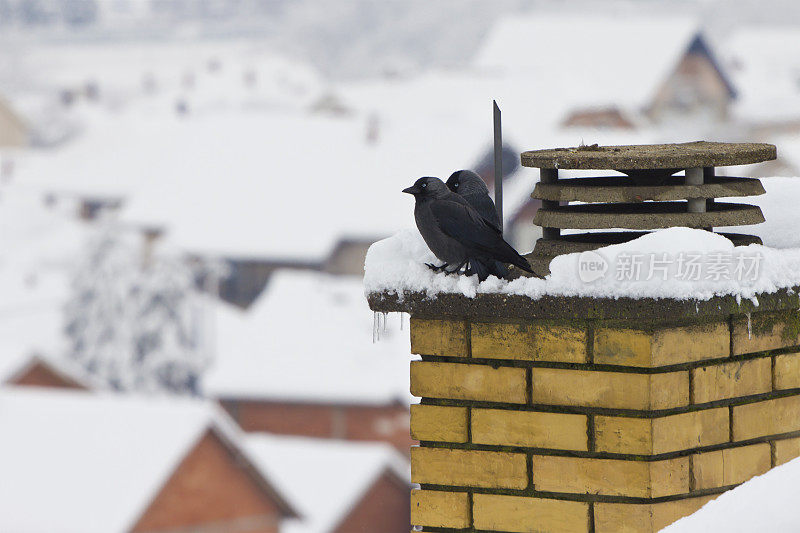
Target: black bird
471	187
456	233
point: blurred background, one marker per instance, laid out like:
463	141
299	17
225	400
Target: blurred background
188	189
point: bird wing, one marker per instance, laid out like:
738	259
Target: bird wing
462	223
484	205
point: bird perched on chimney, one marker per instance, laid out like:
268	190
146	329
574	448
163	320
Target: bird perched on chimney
456	233
471	187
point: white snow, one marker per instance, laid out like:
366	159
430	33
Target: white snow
173	69
765	503
765	65
74	461
253	184
779	206
591	59
308	337
40	244
322	479
397	264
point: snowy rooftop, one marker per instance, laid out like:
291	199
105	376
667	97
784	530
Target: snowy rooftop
323	479
62	367
308	337
765	65
396	265
40	244
250	174
203	73
602	58
280	185
67	452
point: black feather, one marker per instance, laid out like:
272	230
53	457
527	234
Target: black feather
484	205
465	225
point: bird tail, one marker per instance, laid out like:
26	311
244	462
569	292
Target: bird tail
485	267
499	269
480	268
509	255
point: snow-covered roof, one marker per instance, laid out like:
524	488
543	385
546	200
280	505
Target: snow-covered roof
194	69
252	184
764	62
323	479
308	338
255	181
603	58
93	461
40	244
765	503
63	368
26	330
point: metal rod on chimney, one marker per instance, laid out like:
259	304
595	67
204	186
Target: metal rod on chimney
498	163
694	176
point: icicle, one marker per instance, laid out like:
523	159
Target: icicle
749	328
374	327
402	319
385	318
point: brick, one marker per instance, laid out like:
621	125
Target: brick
786	450
732	466
615	390
439	337
765	331
652	436
439	423
787	371
459	381
468	468
611	477
210	488
643	518
661	347
770	417
529	342
435	508
732	380
534	515
525	428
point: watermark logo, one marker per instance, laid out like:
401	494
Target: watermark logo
591	266
685	266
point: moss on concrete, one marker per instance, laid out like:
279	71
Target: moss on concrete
513	307
651	156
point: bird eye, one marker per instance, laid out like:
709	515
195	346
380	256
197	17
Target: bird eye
424	185
455	184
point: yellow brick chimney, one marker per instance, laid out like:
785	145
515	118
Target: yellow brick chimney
584	414
596	425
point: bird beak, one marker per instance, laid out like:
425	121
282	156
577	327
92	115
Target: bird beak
411	190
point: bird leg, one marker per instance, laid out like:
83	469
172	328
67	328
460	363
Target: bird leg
468	271
436	268
456	269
